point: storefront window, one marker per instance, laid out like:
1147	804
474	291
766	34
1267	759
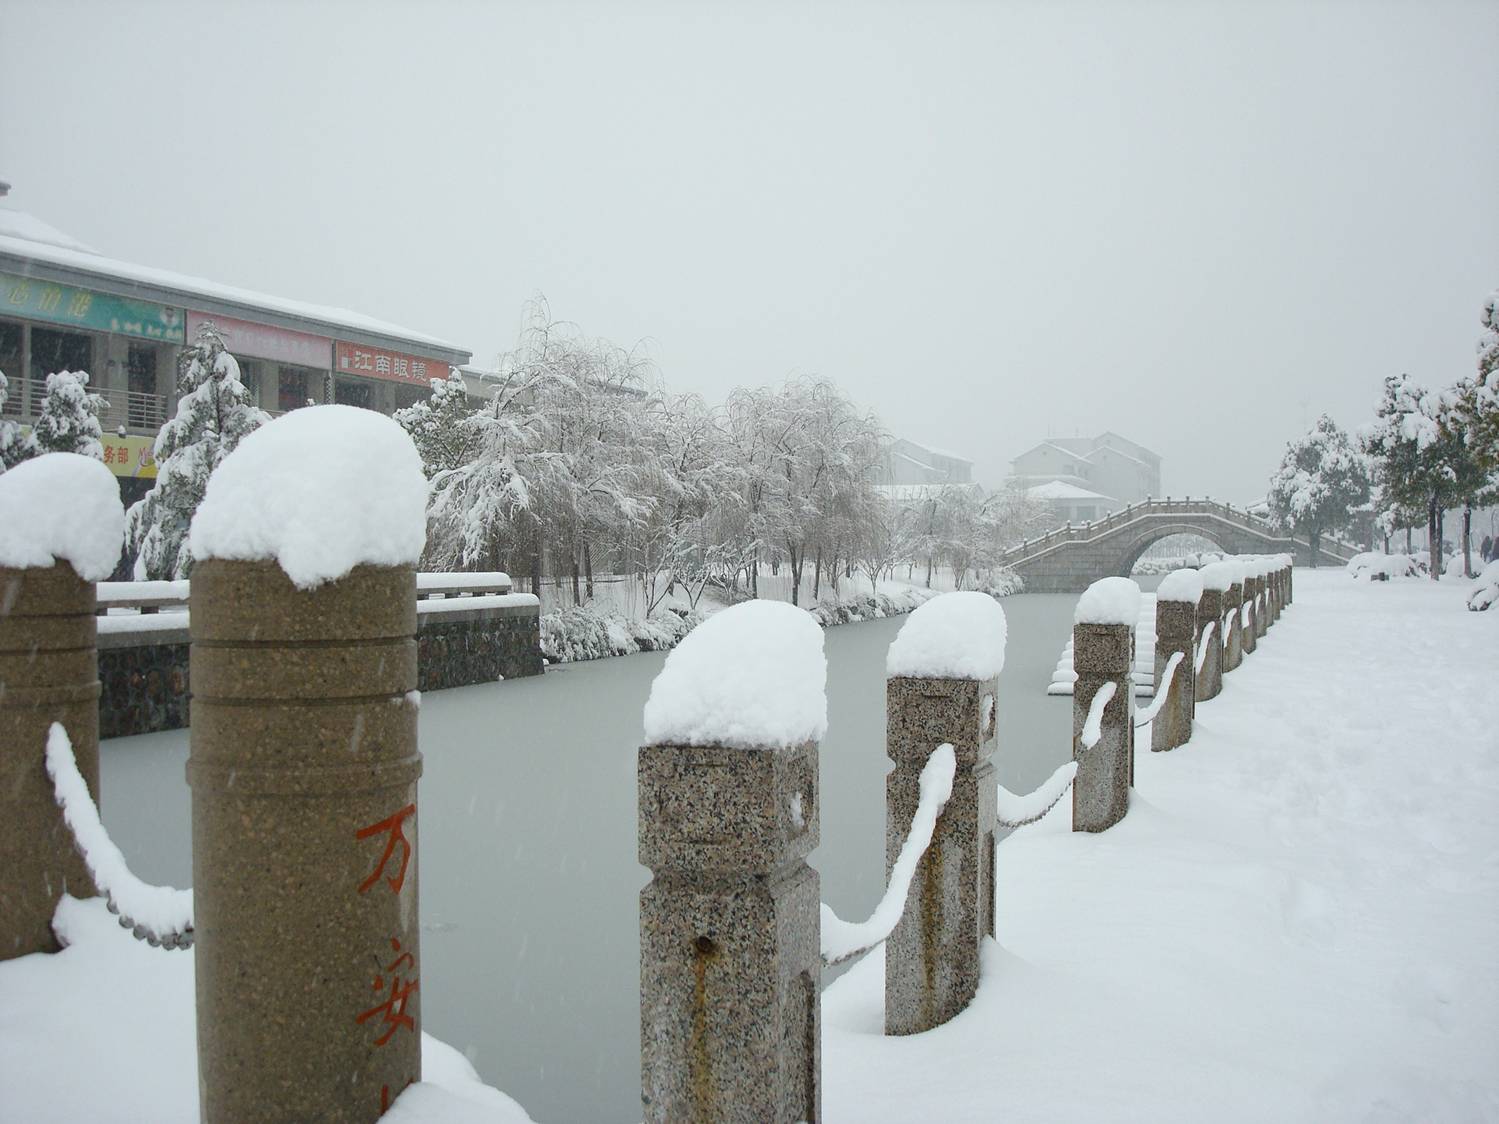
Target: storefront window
53	351
10	365
249	377
292	389
346	392
410	395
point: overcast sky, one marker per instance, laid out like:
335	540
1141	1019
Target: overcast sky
1196	224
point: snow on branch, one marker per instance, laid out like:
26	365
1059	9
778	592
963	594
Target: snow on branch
159	915
843	940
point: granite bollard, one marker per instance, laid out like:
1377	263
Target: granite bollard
1210	615
1262	600
932	956
1249	610
303	767
304	770
61	525
730	963
1176	604
48	673
1103	655
1232	623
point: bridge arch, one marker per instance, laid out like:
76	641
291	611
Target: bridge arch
1132	549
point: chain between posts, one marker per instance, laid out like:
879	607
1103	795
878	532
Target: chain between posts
106	865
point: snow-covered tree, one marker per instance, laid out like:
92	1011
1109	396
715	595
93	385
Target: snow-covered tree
16	444
69	418
437	425
215	413
1321	479
1418	456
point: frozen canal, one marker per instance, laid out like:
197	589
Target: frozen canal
527	845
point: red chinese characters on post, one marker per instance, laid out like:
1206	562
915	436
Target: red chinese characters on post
389	366
392	1010
392	827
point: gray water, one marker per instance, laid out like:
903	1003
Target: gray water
527	844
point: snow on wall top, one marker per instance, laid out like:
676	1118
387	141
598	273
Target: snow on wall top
751	677
319	490
1109	601
952	636
1181	585
61	507
1218	576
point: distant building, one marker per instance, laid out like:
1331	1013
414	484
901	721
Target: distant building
1111	470
65	306
1072	504
909	463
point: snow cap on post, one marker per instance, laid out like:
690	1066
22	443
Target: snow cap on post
751	677
319	490
952	636
61	507
1109	601
1218	576
1181	585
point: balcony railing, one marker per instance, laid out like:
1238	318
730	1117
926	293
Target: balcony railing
132	409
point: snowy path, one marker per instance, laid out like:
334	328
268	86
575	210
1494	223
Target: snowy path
1295	922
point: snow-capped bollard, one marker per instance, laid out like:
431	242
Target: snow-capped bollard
941	688
1278	588
1216	578
1249	613
1103	702
1176	602
730	962
1233	612
304	771
1290	591
62	527
1263	570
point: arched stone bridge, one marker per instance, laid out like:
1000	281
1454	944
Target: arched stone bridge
1068	559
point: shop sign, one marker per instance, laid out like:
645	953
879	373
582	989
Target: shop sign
83	308
392	366
247	340
130	456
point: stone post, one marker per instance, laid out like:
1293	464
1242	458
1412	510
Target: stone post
730	964
1233	603
1249	630
932	957
1278	591
1103	653
48	673
304	771
1290	581
1175	631
1262	600
1210	611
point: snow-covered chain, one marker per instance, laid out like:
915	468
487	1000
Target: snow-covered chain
1202	647
1016	810
159	915
1093	727
1162	691
843	940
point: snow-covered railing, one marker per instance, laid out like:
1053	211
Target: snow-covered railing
1162	693
1017	810
1093	724
1202	646
843	940
159	915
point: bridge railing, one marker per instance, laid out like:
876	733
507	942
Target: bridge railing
1086	532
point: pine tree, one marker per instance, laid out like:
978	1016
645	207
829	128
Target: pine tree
16	444
214	414
1321	478
69	421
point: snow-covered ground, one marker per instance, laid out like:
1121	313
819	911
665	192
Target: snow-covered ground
1295	922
